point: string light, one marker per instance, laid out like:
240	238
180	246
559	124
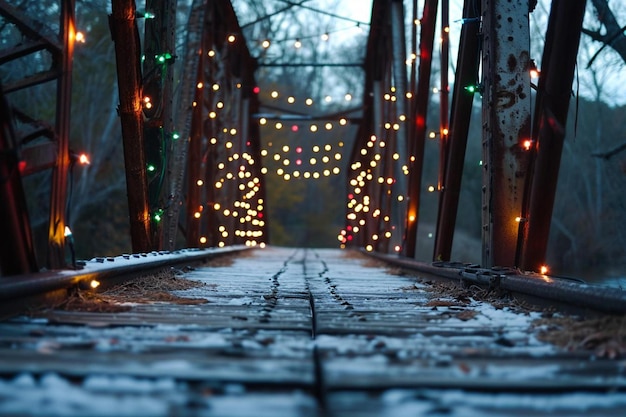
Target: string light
473	88
287	159
83	159
533	70
527	144
145	14
164	58
325	37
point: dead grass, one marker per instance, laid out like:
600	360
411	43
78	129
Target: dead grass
88	301
148	285
452	294
604	336
145	289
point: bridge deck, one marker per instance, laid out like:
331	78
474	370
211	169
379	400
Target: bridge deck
295	332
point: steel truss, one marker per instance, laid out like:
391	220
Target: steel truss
41	146
193	160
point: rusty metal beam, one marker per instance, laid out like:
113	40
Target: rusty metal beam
35	79
31	28
444	93
418	117
160	138
255	148
128	57
400	82
461	113
195	165
506	126
210	222
231	67
158	59
376	190
17	254
38	157
553	97
375	65
26	48
58	194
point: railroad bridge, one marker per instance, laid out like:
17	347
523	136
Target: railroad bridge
204	313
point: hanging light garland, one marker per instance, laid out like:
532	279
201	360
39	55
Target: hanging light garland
367	179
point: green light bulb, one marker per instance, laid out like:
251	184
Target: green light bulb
157	216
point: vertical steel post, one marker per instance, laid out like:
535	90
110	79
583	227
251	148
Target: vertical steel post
506	126
186	104
413	72
255	149
376	60
444	92
553	96
399	195
378	193
187	155
17	254
58	195
211	221
418	117
195	161
128	56
461	113
159	51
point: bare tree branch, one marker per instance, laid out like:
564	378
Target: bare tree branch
614	37
611	153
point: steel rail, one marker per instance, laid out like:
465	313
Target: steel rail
539	289
15	289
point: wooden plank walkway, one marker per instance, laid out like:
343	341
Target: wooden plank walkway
301	332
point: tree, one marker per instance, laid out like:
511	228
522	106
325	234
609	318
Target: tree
613	36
